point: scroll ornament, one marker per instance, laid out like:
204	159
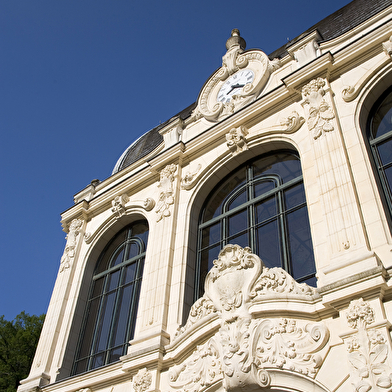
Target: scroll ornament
243	349
166	197
320	113
69	252
367	351
190	178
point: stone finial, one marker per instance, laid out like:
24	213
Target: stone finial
235	40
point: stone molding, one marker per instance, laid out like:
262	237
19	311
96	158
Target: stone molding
245	349
349	93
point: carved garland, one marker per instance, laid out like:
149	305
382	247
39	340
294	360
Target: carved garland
319	111
166	197
367	350
69	251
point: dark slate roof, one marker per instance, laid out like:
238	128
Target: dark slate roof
334	25
338	23
149	141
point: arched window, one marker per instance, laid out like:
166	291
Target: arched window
261	205
114	293
380	140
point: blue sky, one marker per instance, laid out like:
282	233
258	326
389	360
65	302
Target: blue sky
79	81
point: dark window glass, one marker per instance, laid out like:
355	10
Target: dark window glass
380	140
261	205
111	309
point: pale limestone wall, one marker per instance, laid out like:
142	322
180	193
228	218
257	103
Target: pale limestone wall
281	334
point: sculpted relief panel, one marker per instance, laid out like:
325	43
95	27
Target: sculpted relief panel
245	349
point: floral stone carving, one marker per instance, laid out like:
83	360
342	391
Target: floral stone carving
367	351
166	197
241	353
236	141
69	252
142	380
320	113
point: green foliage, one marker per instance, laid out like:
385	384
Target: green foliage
18	341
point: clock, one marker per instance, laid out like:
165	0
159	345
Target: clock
235	84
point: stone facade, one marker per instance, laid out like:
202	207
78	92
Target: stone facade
255	327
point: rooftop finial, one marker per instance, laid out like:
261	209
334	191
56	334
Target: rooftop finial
235	39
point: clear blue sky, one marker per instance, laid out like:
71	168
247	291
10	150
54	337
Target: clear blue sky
79	81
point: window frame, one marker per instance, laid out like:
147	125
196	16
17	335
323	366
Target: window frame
250	206
84	362
385	189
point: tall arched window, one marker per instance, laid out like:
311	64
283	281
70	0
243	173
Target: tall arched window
380	140
114	293
261	205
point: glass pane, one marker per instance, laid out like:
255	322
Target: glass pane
118	257
388	175
98	360
382	120
311	281
120	328
238	222
105	321
285	166
300	244
89	328
115	354
266	209
130	272
133	250
262	187
238	200
241	240
107	255
206	262
294	196
210	235
140	230
113	280
81	366
98	287
385	152
214	207
268	244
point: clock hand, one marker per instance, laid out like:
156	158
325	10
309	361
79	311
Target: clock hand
235	86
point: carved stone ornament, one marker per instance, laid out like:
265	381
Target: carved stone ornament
118	205
367	351
236	141
349	93
234	61
319	111
69	252
387	46
142	380
243	350
190	179
84	390
166	197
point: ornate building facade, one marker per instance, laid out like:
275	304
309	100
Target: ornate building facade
244	244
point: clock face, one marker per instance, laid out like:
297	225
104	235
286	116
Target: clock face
235	84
